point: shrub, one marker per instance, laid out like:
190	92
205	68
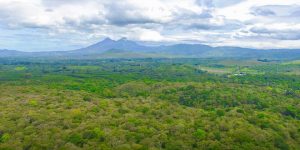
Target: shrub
33	103
200	134
220	113
5	137
87	98
76	139
280	143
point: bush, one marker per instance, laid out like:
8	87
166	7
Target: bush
280	143
96	133
200	134
87	98
76	139
220	113
33	103
5	137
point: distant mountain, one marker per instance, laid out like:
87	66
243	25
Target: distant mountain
15	53
108	44
11	53
124	48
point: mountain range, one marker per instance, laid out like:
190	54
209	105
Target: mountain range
124	48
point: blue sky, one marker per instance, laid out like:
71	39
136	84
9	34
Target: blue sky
45	25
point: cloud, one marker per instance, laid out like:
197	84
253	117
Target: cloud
218	3
262	12
279	31
129	12
222	3
216	22
276	10
56	3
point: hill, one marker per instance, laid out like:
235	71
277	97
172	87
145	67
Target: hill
131	49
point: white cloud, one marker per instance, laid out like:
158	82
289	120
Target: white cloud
245	23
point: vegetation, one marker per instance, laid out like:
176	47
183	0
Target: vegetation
149	104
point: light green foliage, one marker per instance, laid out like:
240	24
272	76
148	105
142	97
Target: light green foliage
20	68
200	134
33	103
4	138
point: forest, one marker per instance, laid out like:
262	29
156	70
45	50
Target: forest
149	103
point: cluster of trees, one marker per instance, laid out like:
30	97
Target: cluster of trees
42	118
144	104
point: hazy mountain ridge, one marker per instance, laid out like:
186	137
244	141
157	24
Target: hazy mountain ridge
124	48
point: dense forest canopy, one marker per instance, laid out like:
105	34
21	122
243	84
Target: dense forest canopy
149	104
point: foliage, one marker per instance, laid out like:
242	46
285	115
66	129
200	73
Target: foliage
148	104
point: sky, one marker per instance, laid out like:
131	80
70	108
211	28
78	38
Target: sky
55	25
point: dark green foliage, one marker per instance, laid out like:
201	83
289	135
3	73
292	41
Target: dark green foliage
281	144
87	98
291	111
76	139
220	112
